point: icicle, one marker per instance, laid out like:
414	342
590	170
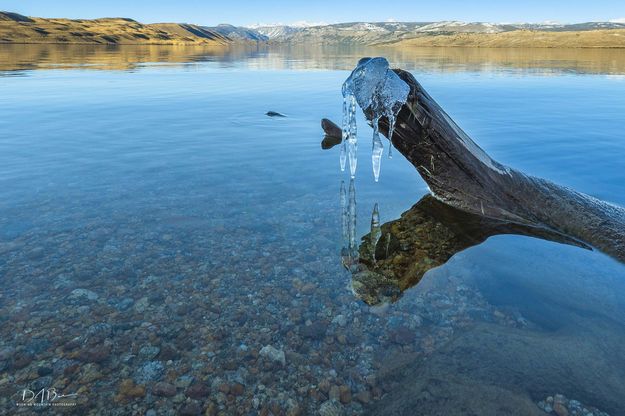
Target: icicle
352	142
353	245
391	129
377	148
376	89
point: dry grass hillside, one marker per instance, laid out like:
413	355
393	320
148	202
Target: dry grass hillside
15	28
524	39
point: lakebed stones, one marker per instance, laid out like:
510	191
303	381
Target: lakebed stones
149	371
273	354
559	405
81	293
164	389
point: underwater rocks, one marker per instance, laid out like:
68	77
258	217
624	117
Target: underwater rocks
561	406
273	354
219	318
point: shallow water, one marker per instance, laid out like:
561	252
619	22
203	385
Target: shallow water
157	230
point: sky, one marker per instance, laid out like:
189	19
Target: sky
247	12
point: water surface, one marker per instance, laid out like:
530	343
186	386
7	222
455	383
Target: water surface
158	231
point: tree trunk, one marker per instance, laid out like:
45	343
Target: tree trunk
462	175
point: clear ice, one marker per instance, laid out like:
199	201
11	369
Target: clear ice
376	230
349	252
374	87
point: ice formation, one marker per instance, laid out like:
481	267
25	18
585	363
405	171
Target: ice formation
376	230
376	88
349	252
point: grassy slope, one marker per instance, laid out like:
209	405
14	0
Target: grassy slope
524	39
20	29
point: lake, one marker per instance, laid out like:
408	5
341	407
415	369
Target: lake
168	248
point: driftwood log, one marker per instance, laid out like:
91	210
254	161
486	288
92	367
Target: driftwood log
461	174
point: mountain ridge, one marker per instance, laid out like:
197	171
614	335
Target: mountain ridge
16	28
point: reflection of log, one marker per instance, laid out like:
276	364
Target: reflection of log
461	174
426	236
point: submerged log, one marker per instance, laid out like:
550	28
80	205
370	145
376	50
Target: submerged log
461	174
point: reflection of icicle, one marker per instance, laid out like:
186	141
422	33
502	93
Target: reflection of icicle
352	217
376	231
376	151
344	221
349	251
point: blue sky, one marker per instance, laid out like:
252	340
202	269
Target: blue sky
244	12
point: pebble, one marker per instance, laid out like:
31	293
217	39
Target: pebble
331	408
340	320
191	409
84	293
149	371
198	391
273	354
129	390
164	389
148	352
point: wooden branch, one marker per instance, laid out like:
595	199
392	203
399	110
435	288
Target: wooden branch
461	174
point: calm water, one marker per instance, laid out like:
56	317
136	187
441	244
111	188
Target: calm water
166	248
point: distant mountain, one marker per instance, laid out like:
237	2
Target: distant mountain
282	32
239	33
15	28
391	32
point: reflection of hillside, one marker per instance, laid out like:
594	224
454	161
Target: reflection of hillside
306	57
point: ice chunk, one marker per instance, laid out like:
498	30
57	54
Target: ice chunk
375	88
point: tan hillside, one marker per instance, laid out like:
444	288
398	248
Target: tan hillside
614	38
15	28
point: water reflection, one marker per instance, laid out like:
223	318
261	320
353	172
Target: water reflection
395	256
306	57
349	251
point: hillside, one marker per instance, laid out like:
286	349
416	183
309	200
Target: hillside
452	33
614	38
15	28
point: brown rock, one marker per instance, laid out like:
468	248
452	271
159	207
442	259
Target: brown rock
95	354
324	385
224	388
560	409
198	391
164	389
363	397
345	394
237	389
129	390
